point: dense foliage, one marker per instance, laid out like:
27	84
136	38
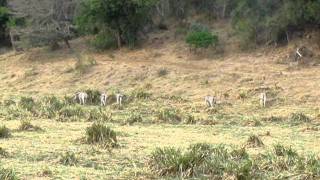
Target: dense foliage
259	21
4	18
123	18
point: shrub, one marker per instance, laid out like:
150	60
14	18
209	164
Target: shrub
168	115
298	118
103	41
99	133
27	126
201	39
125	18
7	174
93	96
69	159
71	113
4	132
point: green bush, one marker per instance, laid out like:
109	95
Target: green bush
4	132
98	133
103	41
93	96
201	39
123	17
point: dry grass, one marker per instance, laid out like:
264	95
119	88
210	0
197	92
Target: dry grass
181	91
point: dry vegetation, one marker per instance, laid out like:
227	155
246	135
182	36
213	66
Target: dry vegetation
45	135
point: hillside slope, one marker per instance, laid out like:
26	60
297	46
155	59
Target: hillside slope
229	77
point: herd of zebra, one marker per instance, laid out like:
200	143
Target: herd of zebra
82	97
210	101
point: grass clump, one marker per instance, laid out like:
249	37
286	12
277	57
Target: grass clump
98	133
140	94
169	115
27	103
5	132
203	161
134	118
298	118
50	106
93	96
84	63
71	113
26	125
3	153
7	174
162	72
98	114
254	141
69	159
200	160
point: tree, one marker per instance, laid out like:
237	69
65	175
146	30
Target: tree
124	18
4	18
46	22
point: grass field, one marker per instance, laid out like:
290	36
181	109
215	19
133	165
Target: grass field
166	110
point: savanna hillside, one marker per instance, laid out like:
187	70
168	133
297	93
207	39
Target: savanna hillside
166	56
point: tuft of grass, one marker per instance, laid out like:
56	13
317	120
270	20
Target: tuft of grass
27	103
68	159
200	160
7	174
5	132
98	133
254	141
162	72
84	63
134	118
169	115
190	119
93	96
274	119
98	114
298	118
71	113
50	106
203	161
27	126
140	94
3	153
